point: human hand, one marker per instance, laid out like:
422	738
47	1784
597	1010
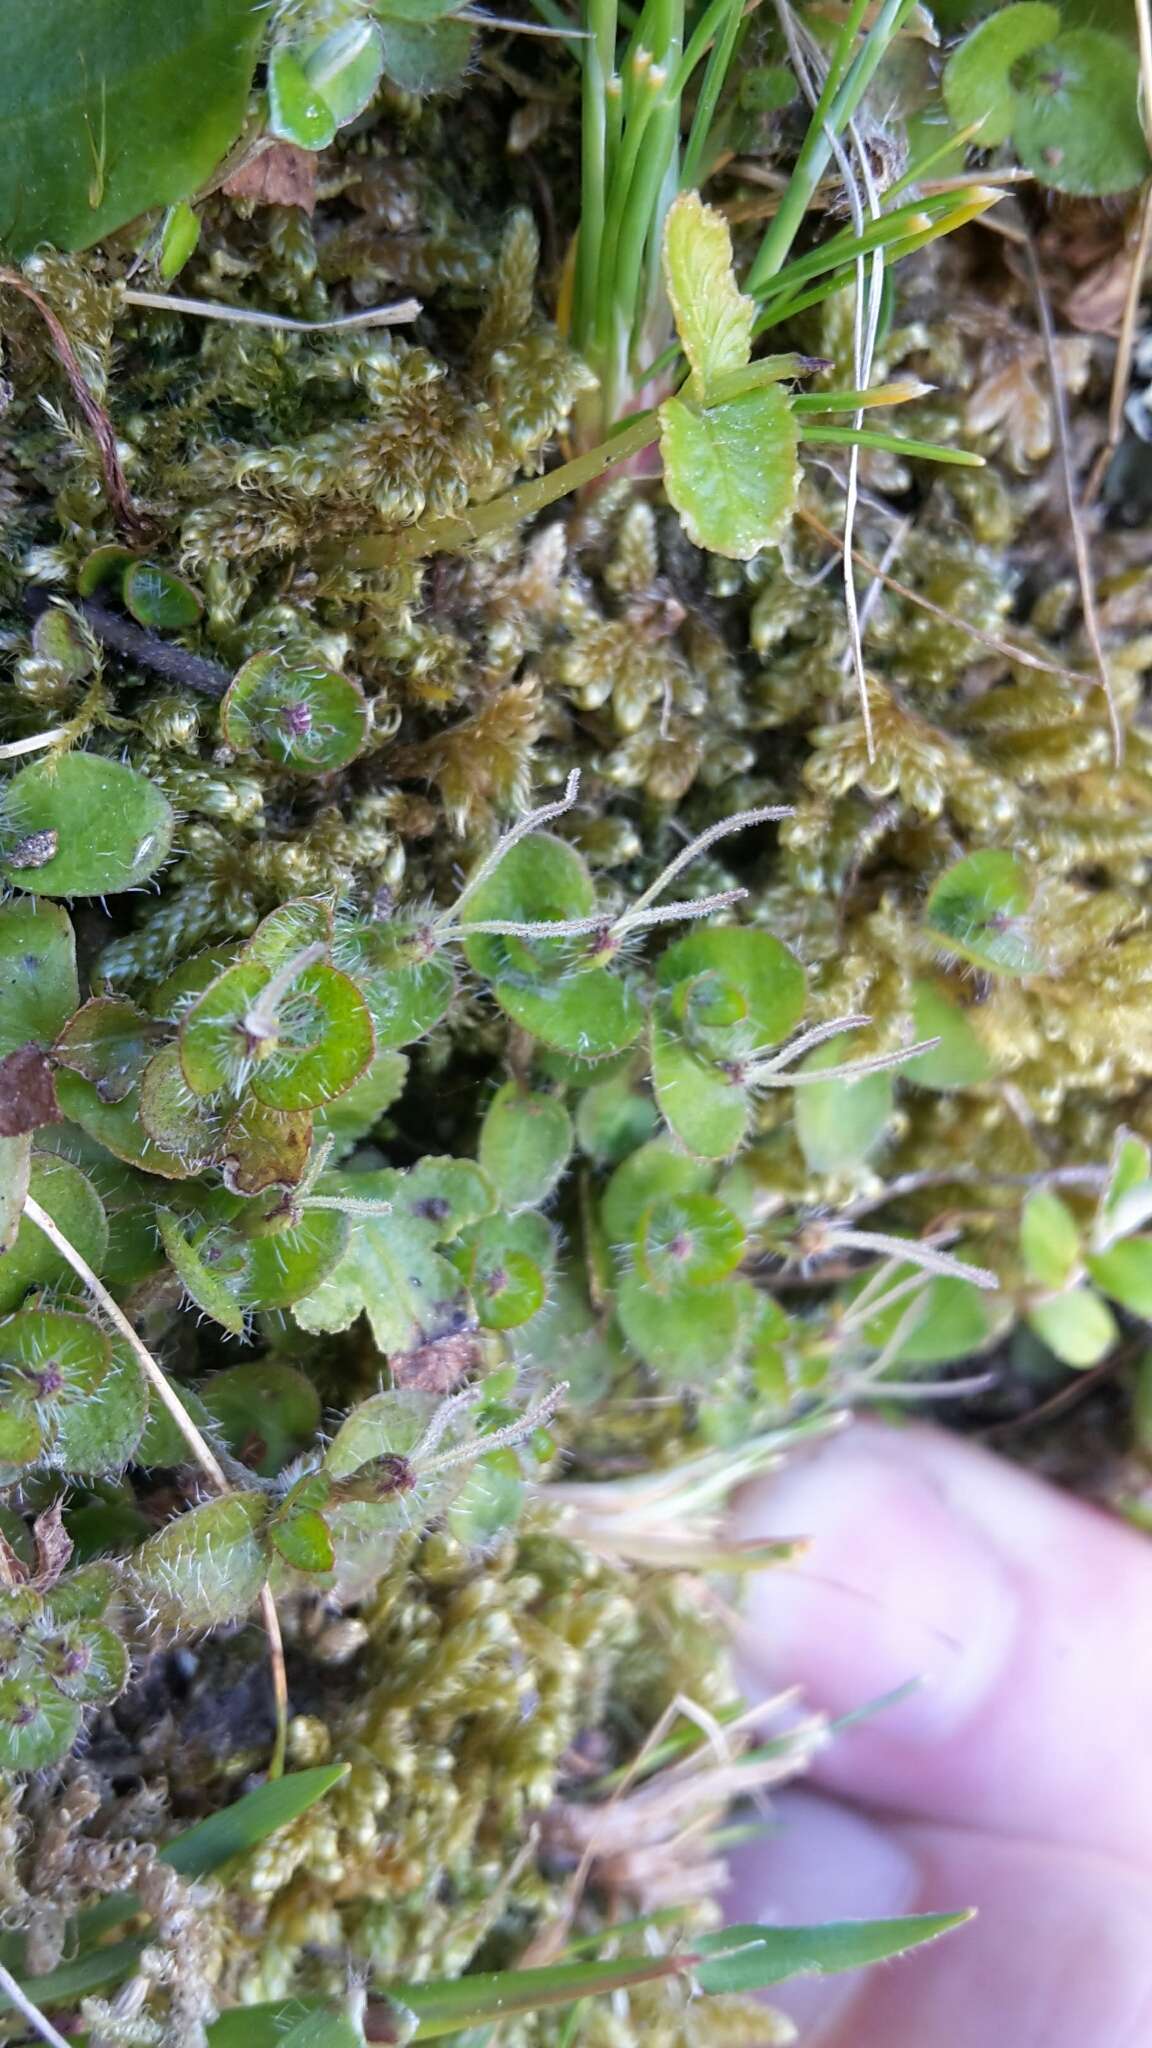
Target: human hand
1016	1779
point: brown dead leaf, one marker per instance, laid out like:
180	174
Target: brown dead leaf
1096	304
281	175
1013	401
436	1368
27	1097
53	1547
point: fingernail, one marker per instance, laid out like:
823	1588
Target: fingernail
822	1861
899	1586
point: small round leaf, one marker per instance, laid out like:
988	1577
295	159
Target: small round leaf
298	714
82	826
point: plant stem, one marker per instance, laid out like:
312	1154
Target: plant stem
28	2011
201	1450
895	444
844	88
523	501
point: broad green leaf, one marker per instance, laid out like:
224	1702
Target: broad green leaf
405	982
423	57
206	1567
355	1114
981	908
506	1261
551	987
1076	1325
1049	1238
1077	122
732	470
344	67
82	826
15	1168
297	714
108	1041
297	109
179	236
960	1060
686	1334
953	1319
391	1268
38	985
97	1431
73	1203
978	77
687	1240
525	1140
713	317
615	1116
840	1123
216	1292
159	598
37	1724
726	996
323	1044
1125	1273
658	1170
268	1413
113	107
182	1126
743	1959
704	1105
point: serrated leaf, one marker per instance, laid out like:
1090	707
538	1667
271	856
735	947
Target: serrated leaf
713	317
391	1269
732	470
978	77
38	985
114	107
82	826
1076	1325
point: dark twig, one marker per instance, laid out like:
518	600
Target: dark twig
103	432
163	657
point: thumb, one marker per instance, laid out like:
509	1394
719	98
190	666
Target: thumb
1022	1612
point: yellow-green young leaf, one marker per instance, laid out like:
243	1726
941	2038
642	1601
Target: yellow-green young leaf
1077	1326
713	317
731	470
1049	1239
1125	1272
